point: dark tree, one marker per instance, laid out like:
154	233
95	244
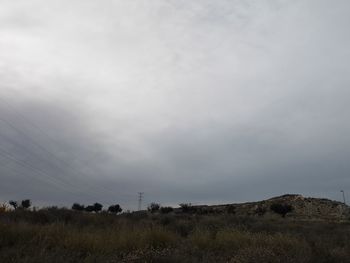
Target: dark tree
153	207
78	207
97	207
26	203
115	209
89	208
281	209
14	204
166	209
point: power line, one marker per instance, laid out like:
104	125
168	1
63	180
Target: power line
67	164
48	152
35	126
26	120
59	184
42	171
48	179
27	165
33	142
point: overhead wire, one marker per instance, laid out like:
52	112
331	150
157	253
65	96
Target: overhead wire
32	141
26	165
55	167
43	148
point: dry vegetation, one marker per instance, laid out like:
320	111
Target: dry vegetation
62	235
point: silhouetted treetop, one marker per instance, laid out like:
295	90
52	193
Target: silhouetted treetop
97	207
115	209
14	204
78	207
26	203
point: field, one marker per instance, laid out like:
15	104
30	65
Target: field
63	235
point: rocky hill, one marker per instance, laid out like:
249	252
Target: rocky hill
300	207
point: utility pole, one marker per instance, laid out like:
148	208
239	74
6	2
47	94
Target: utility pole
343	196
140	194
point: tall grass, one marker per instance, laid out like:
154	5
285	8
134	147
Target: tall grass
66	236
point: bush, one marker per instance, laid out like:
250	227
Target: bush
260	210
166	209
186	207
153	207
4	208
231	209
63	236
281	209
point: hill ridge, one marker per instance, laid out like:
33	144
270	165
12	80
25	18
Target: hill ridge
302	207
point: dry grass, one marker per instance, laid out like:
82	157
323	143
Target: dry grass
4	208
66	236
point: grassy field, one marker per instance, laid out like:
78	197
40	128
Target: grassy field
62	235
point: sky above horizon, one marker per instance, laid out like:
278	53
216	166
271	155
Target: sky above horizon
187	101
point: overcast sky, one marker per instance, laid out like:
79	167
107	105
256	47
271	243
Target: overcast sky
188	101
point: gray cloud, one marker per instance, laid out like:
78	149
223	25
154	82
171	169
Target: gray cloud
199	102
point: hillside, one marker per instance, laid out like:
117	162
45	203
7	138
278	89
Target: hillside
302	208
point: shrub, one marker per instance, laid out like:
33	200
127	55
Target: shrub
166	220
232	239
182	227
201	239
202	210
166	209
186	207
281	209
4	208
159	237
61	235
231	209
260	210
153	207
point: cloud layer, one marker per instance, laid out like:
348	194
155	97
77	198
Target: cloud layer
186	101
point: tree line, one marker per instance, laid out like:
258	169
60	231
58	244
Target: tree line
279	208
96	207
